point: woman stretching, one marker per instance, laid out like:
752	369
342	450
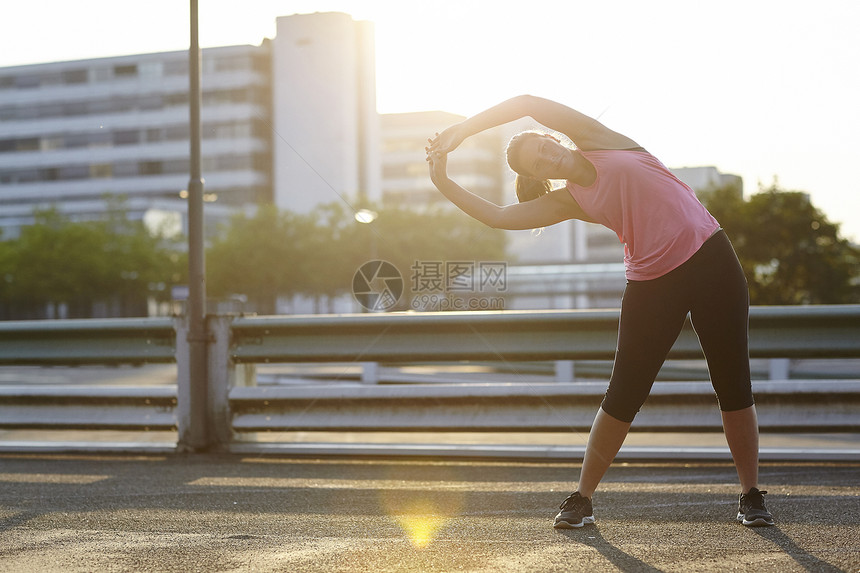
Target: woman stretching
677	261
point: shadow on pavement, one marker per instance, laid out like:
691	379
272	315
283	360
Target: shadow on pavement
590	535
793	550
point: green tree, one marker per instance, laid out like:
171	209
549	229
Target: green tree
791	253
275	253
114	262
405	236
435	234
7	254
252	256
334	248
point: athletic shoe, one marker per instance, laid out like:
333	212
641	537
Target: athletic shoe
751	509
575	512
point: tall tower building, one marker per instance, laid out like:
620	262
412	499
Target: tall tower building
326	133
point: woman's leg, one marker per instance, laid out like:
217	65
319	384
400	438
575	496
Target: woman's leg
720	316
741	428
606	437
652	315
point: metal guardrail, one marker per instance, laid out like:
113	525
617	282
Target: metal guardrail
235	405
88	342
784	406
77	342
775	332
509	336
88	407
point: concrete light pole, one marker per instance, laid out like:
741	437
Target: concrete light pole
197	435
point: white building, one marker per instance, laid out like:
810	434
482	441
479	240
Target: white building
73	132
292	121
702	179
326	129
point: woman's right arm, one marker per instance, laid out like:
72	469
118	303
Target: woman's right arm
549	209
584	131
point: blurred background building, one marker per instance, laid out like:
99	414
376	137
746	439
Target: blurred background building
325	128
72	133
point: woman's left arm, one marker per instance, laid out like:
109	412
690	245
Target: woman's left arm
584	131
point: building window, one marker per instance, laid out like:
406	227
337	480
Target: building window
27	82
128	71
75	77
153	135
176	67
151	70
74	108
150	168
101	139
125	169
176	132
227	64
127	137
51	143
101	74
101	171
75	172
29	144
176	99
150	102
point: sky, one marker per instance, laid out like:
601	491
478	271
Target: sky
764	89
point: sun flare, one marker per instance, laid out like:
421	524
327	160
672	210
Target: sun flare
422	519
421	523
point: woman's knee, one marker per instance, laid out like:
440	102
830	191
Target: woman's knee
622	407
735	398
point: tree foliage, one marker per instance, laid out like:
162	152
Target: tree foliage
790	252
276	253
114	262
260	257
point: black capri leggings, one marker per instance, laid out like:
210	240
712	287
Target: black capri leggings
710	286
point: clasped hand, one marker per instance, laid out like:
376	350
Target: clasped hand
447	141
438	160
438	149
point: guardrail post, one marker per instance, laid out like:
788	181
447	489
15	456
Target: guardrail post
779	368
194	412
370	372
564	371
183	386
221	375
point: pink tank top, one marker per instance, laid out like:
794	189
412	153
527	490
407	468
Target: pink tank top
657	216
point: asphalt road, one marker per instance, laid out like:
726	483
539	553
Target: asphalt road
231	513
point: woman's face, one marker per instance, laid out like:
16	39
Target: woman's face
545	158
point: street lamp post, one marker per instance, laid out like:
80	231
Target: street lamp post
196	431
